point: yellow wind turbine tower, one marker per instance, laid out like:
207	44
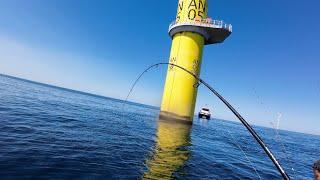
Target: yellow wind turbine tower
191	30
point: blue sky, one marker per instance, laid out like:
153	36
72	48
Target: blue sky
269	65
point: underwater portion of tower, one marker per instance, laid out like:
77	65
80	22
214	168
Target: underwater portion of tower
189	32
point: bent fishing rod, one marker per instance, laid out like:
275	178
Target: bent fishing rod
234	111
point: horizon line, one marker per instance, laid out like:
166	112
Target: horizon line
130	102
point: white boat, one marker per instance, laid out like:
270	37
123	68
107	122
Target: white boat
204	113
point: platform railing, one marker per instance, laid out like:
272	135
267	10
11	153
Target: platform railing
203	22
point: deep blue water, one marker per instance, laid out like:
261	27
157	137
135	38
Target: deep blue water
54	133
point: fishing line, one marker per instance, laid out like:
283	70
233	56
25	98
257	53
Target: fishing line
125	102
196	86
242	150
235	112
278	138
284	149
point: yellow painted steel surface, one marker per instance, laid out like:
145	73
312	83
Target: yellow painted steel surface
179	95
190	10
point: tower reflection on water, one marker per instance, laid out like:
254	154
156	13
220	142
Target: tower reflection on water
171	150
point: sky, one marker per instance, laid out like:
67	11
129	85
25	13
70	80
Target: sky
268	68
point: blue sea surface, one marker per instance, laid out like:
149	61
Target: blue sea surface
53	133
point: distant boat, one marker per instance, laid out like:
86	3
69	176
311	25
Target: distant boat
204	113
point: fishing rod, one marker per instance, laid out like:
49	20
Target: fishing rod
235	112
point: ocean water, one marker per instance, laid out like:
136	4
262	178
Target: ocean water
53	133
